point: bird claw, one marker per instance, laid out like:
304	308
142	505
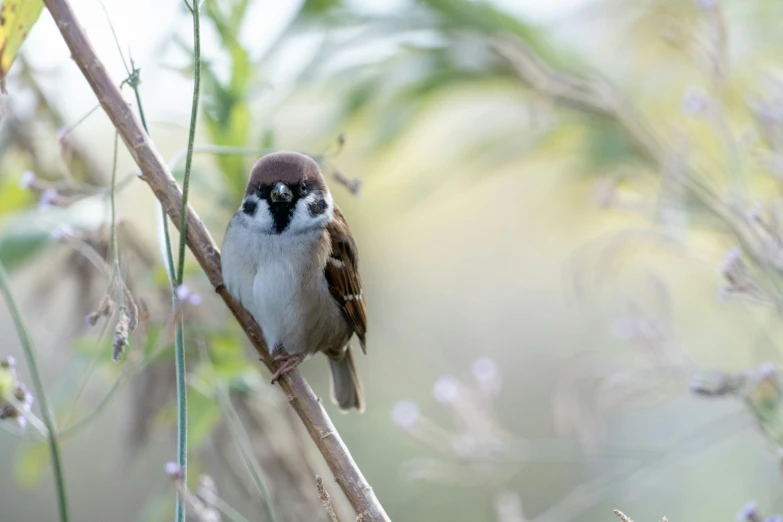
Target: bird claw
288	363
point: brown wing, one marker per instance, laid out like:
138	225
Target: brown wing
342	276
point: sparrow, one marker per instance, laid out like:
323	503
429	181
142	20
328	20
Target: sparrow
290	259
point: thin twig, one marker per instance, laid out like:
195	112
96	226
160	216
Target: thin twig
115	279
182	409
186	497
242	441
183	223
66	130
325	499
158	348
40	391
114	35
116	274
179	346
159	178
240	436
134	79
99	343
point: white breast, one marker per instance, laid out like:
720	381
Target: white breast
280	280
291	297
286	281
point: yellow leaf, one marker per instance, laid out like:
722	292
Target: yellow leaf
17	17
31	464
13	198
7	383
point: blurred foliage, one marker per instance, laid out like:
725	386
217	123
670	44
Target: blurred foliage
17	17
226	112
32	464
18	246
386	71
417	56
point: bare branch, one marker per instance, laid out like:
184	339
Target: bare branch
159	178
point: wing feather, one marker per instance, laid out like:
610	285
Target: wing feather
342	276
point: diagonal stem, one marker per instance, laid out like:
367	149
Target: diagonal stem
155	173
40	392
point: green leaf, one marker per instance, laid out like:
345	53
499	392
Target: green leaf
240	72
233	369
31	463
84	346
393	123
154	345
203	416
17	246
17	17
224	344
268	139
608	143
317	7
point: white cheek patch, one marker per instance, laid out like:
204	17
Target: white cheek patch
260	219
303	220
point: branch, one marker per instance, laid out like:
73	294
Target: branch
155	173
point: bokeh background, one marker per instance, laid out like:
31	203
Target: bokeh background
547	192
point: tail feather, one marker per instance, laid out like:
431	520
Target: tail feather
347	389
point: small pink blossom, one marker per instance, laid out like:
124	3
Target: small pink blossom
48	197
446	389
754	214
730	261
695	102
186	295
28	180
173	470
485	369
707	5
405	414
62	232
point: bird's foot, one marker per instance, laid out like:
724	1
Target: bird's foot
287	363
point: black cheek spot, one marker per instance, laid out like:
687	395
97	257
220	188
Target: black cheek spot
249	207
317	207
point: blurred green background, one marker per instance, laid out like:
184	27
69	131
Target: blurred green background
547	193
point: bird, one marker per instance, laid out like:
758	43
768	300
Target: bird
288	256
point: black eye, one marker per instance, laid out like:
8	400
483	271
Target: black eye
303	187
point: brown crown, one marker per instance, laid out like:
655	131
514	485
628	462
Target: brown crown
288	167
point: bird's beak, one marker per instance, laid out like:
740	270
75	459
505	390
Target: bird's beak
281	193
